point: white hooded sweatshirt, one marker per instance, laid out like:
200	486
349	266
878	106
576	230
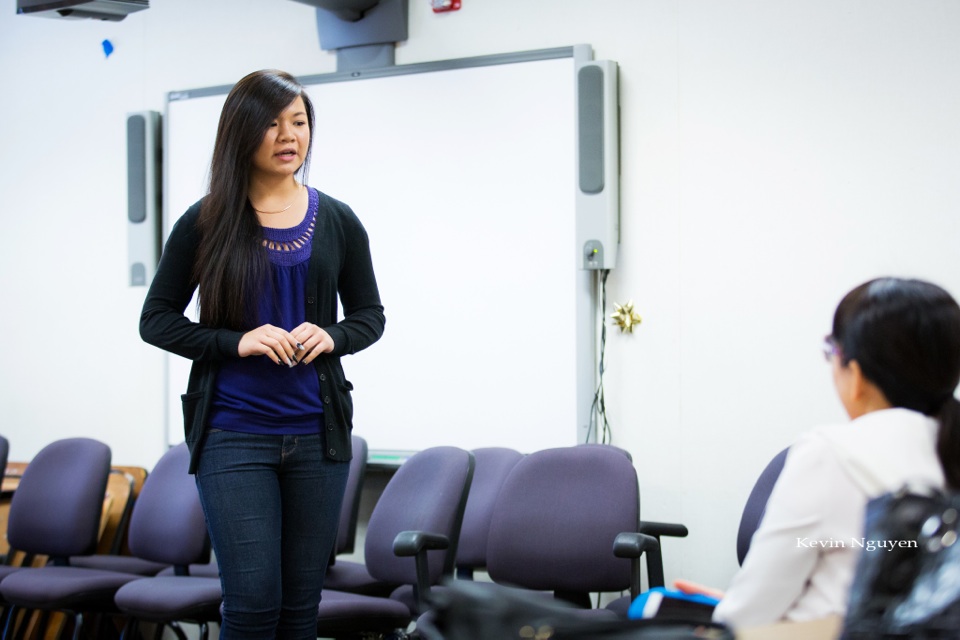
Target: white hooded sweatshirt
803	556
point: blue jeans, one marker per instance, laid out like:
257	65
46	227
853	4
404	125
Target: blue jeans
272	505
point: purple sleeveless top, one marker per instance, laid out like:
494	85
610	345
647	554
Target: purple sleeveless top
254	394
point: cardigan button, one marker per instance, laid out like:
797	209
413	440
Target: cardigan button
323	377
333	452
310	299
327	400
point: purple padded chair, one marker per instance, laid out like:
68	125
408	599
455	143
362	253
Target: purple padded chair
347	575
556	521
346	535
491	467
55	512
757	503
114	560
350	509
4	452
493	464
411	539
166	526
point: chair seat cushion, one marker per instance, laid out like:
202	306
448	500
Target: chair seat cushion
353	577
63	588
620	606
342	613
206	570
121	564
6	570
171	597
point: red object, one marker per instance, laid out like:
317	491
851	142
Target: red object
440	6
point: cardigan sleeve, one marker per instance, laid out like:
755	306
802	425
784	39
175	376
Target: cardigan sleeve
363	322
162	320
783	554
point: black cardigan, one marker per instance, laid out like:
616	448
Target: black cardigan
340	263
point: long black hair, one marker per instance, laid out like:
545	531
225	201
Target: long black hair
905	335
231	263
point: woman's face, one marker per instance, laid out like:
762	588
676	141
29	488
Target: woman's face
283	149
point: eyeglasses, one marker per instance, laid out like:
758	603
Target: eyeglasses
830	348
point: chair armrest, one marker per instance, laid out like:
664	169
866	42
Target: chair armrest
657	529
655	556
633	545
416	544
630	544
410	543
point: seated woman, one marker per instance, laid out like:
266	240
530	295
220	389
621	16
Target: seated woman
895	355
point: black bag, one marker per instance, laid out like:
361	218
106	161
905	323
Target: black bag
467	610
907	583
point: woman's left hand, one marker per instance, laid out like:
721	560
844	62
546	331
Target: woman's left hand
311	342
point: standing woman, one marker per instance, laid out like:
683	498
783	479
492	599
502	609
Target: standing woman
267	411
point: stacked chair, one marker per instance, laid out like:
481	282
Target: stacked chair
166	527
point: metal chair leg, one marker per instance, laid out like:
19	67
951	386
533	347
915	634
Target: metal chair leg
130	629
77	625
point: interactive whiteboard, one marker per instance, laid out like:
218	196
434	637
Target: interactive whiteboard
463	173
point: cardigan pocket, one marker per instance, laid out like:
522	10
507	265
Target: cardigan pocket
192	415
347	400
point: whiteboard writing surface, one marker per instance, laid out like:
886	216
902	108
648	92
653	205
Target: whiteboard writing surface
464	180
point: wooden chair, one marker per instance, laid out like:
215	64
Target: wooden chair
123	487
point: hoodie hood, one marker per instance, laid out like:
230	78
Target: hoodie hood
866	451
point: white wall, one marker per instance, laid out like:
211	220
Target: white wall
774	154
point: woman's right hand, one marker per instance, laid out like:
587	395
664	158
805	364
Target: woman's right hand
693	588
268	340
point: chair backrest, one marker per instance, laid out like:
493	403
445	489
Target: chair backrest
493	464
167	523
350	510
4	453
427	493
56	508
757	504
557	516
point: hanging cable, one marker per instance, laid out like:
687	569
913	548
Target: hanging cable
598	410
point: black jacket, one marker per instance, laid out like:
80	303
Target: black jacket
339	264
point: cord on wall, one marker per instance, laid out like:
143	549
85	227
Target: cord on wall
598	411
